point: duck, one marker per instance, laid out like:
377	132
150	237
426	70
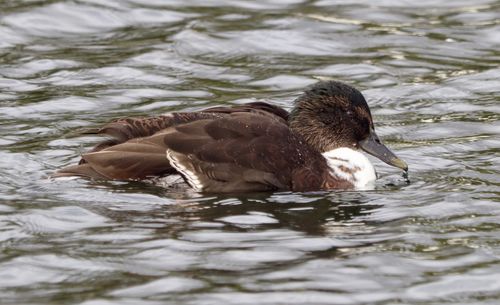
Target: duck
252	147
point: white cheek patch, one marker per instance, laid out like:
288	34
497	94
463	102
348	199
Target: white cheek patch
352	166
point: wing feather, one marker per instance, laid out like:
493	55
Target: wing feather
244	152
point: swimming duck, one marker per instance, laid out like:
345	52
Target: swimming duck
251	147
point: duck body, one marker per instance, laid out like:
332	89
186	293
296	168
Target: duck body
245	148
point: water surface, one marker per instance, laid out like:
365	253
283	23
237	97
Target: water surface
429	70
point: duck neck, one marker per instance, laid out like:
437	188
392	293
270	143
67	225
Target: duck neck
311	130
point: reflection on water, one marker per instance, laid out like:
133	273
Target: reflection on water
428	69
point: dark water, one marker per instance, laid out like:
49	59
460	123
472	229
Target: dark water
429	69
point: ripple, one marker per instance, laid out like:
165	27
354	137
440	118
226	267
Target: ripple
16	85
283	82
50	268
73	19
455	287
37	66
59	219
40	109
161	286
255	219
107	75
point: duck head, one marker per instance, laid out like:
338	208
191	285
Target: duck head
332	115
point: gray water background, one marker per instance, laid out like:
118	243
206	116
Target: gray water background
429	70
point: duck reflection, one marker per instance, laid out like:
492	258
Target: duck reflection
317	213
311	213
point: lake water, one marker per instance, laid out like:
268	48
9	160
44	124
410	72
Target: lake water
430	71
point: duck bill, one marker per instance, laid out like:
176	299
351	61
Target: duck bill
374	147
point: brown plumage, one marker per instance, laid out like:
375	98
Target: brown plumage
250	147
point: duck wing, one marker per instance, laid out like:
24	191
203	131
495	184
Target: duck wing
244	152
135	151
124	129
132	152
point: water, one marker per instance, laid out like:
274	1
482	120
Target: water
429	70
